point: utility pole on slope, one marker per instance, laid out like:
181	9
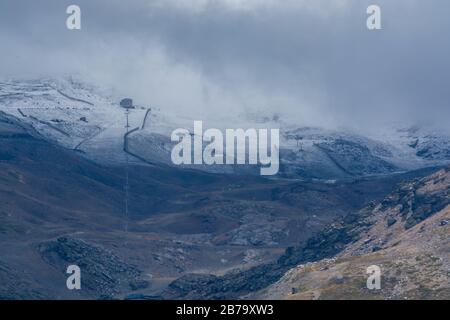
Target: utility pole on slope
127	104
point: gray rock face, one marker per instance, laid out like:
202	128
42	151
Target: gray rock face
355	159
102	272
416	205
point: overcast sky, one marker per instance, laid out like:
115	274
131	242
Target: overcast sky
313	61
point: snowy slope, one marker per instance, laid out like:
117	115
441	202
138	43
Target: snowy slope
81	117
70	113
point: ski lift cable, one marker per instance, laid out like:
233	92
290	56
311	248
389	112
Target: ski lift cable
127	104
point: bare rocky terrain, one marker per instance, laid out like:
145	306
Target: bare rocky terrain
406	234
208	233
59	208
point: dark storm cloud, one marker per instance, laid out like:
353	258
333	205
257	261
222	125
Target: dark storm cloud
312	60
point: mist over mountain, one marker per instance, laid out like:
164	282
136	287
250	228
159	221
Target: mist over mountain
313	61
82	117
364	149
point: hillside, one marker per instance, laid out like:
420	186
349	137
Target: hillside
409	239
190	232
332	263
59	208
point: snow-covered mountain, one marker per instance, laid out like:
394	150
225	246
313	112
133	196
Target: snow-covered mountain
84	118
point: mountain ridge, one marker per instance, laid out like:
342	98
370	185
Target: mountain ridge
81	117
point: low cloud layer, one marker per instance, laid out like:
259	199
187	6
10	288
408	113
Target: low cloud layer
314	62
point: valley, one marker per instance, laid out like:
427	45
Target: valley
204	232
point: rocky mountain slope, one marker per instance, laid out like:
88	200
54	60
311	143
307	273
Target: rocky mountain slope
406	235
408	238
192	233
59	208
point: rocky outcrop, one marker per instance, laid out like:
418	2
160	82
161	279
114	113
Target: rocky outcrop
102	272
408	239
355	159
419	199
235	284
411	203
